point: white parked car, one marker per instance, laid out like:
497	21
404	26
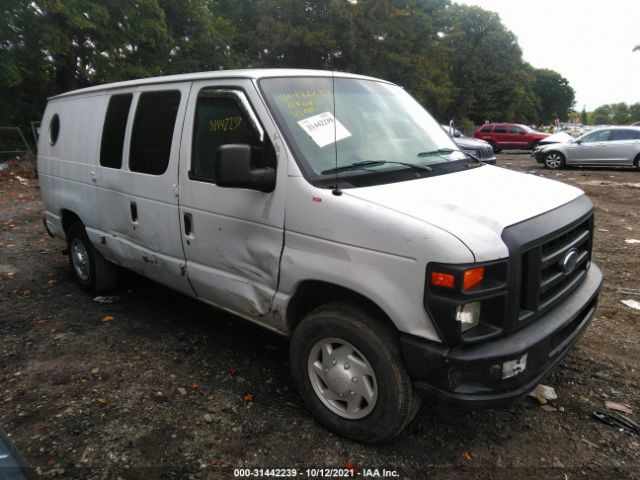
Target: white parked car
331	208
607	146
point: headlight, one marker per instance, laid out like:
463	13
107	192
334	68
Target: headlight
466	301
468	315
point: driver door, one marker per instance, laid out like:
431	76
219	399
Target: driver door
232	237
591	150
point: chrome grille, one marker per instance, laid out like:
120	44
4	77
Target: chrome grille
482	154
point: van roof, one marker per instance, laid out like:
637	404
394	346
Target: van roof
255	73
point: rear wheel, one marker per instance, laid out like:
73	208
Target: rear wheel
493	145
89	269
636	162
554	160
348	370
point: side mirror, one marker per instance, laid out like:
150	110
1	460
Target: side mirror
233	169
452	129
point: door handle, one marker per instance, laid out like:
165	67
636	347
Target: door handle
188	227
133	208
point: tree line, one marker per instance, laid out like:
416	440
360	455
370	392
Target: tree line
459	61
615	114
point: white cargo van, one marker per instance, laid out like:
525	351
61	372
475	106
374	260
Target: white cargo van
333	209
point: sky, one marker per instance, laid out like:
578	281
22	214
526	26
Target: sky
589	42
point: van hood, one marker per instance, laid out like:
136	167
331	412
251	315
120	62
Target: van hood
474	205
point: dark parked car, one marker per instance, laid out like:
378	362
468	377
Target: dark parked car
509	135
479	148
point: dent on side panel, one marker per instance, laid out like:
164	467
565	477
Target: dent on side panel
161	268
233	250
244	269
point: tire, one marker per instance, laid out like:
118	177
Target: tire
495	150
342	337
636	162
554	161
534	145
89	269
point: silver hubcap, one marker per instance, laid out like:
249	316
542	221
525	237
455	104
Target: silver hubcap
80	259
342	378
553	160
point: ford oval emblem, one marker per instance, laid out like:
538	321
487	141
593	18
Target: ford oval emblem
568	262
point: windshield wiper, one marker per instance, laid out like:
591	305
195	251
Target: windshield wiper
440	151
374	163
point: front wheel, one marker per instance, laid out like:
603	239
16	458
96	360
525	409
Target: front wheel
554	160
348	370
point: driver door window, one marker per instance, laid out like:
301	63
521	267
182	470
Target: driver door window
220	119
601	136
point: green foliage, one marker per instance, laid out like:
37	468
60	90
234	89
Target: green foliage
584	117
601	115
616	114
634	112
459	61
555	94
485	65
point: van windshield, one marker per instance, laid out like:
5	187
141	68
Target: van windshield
373	129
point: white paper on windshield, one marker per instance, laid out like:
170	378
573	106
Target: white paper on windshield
321	129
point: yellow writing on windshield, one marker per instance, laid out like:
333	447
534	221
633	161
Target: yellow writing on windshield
302	103
226	124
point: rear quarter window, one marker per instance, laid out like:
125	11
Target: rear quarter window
624	135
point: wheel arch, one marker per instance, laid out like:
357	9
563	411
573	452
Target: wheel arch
311	294
69	218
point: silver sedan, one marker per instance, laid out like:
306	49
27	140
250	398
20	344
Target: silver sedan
604	146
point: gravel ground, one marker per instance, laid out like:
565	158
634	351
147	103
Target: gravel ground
158	386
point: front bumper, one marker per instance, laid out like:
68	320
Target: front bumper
474	374
538	155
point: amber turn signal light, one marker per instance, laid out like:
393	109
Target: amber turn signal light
439	279
472	277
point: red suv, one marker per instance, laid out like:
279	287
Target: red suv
509	135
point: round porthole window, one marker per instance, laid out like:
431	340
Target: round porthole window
54	129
